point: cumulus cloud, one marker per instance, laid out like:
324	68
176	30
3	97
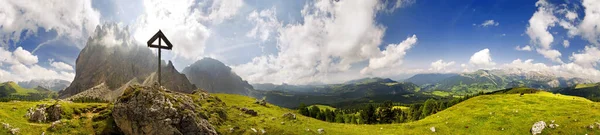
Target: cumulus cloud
74	19
566	43
590	25
489	23
25	56
482	59
588	58
440	65
185	22
23	67
392	55
539	24
266	23
61	66
568	70
524	48
571	15
551	54
331	36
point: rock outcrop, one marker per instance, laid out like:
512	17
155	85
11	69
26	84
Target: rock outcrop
155	110
107	68
215	77
42	113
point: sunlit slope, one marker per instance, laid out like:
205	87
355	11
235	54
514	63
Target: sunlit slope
487	114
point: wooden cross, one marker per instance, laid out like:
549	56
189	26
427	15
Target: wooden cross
160	36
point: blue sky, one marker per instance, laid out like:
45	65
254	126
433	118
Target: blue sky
316	40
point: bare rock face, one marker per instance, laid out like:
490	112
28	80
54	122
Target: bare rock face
157	111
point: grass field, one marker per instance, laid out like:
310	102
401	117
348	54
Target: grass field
323	107
19	90
585	85
487	114
81	123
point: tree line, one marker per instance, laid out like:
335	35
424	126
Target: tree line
384	113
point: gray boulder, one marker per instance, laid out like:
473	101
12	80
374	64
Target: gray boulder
53	112
154	111
37	113
538	127
289	116
249	111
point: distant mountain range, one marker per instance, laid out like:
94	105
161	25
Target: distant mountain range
51	84
489	80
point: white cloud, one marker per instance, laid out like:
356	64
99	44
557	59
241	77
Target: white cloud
524	48
590	25
61	66
331	36
392	55
74	19
539	24
22	67
588	58
482	59
566	43
184	22
568	70
551	54
266	24
571	15
489	23
25	56
440	65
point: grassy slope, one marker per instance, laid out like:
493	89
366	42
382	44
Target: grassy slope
487	114
19	90
79	124
323	107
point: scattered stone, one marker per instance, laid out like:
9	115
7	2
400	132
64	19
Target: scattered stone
282	123
591	127
263	131
432	129
538	127
308	130
54	124
249	111
14	109
43	133
253	130
14	131
321	131
552	121
232	129
6	125
272	118
597	124
289	116
553	126
261	102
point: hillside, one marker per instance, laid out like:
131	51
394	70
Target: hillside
590	91
431	78
338	95
488	114
12	91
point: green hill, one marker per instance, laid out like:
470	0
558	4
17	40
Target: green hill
590	91
486	114
12	91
